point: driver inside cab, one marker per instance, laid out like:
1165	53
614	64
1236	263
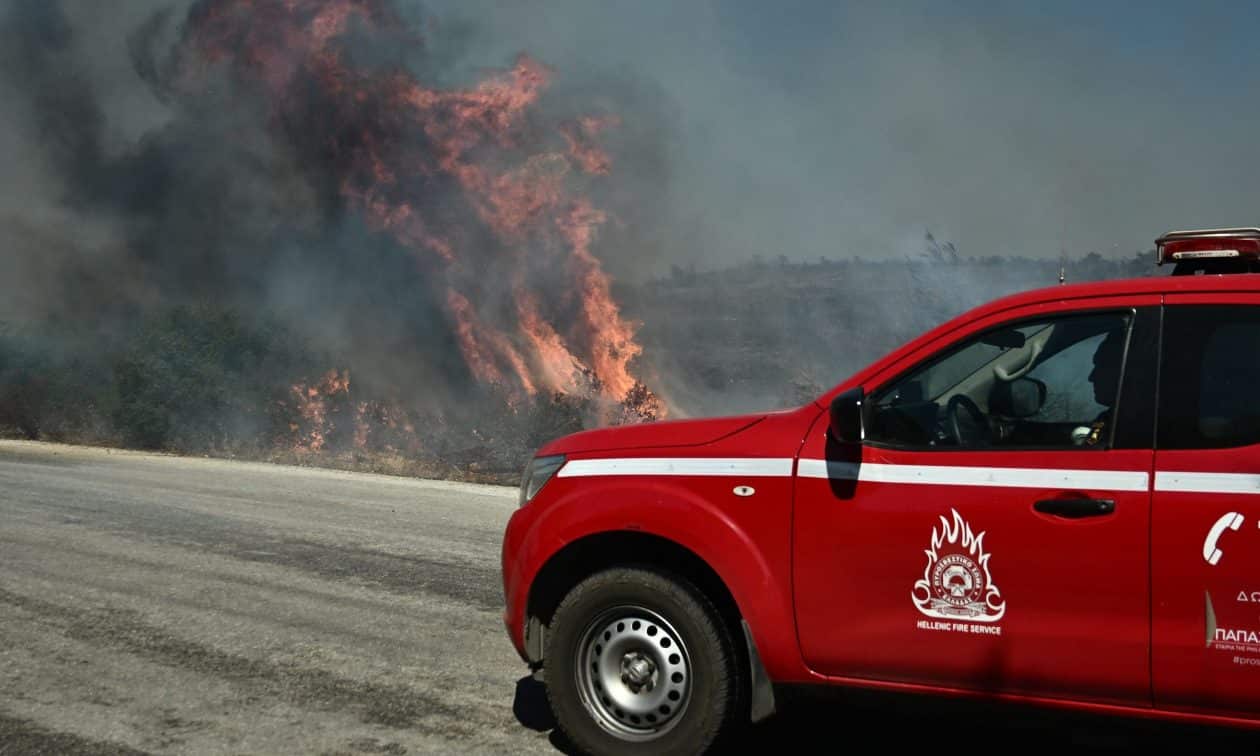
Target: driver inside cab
1105	378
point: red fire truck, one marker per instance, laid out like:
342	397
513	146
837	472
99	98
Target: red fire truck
1054	497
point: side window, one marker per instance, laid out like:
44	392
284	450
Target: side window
1209	372
1069	371
1047	383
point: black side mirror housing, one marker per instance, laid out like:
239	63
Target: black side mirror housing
1022	397
846	416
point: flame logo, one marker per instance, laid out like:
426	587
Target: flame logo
956	582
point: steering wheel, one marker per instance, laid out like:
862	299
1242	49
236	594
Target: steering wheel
974	431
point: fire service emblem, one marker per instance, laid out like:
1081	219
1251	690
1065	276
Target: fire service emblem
957	583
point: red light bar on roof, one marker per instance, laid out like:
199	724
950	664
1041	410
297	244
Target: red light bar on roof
1208	243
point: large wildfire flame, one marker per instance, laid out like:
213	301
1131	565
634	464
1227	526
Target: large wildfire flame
394	144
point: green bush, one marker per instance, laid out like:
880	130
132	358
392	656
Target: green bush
199	378
23	381
53	380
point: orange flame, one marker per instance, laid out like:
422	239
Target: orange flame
327	418
312	404
395	145
558	366
485	348
580	137
610	340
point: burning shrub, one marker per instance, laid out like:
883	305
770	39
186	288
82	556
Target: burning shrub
640	405
553	417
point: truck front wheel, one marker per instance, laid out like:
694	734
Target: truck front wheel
638	662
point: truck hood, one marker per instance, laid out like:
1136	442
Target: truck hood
667	433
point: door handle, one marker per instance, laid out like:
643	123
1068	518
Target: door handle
1076	508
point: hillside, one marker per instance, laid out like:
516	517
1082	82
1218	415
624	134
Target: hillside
763	335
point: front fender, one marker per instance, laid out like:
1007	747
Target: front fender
745	540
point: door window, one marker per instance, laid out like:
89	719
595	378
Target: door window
1209	375
1047	383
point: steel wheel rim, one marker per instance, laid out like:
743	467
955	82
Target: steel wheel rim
634	673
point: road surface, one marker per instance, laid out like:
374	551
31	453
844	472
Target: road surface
160	604
183	605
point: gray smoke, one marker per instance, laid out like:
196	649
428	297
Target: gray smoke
821	128
127	194
798	130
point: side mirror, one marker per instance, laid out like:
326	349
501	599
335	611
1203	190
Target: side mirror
846	416
1022	397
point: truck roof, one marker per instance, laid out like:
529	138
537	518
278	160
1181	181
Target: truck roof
1162	284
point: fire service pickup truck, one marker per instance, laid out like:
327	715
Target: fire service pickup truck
1053	498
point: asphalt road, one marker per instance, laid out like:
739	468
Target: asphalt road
171	605
178	605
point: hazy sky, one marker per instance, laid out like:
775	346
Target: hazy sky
812	128
817	127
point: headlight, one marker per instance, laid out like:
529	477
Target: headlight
537	473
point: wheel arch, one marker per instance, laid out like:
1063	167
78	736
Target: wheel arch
590	554
627	548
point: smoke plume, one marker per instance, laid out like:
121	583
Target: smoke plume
311	160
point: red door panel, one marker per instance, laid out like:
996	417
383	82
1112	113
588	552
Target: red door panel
965	584
1206	509
1206	579
974	567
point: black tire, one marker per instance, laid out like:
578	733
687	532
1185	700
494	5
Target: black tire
640	662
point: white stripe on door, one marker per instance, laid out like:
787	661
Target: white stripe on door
999	477
939	475
1201	482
